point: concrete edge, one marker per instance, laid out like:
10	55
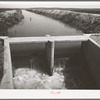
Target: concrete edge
7	80
94	42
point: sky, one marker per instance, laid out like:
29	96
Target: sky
50	4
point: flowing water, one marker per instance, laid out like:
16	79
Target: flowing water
38	25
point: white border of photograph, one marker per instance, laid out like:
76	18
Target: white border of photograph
50	94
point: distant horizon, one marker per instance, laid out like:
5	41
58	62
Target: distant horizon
49	4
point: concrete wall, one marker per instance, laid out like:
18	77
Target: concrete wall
1	58
91	52
7	78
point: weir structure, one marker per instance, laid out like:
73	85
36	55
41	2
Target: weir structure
7	79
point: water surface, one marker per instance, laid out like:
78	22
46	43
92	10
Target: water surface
38	25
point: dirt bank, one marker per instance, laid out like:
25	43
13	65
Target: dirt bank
8	19
88	23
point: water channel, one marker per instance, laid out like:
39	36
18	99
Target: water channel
38	25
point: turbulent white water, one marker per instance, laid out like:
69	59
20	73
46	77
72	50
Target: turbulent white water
26	78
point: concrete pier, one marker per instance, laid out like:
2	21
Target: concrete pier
49	48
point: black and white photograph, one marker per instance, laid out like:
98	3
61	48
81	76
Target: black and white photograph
50	46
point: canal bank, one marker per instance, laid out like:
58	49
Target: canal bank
87	23
8	19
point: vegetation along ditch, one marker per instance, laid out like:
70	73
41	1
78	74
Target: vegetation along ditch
9	18
86	22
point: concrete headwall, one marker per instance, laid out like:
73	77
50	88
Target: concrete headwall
91	52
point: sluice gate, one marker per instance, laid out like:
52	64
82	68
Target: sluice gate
50	52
